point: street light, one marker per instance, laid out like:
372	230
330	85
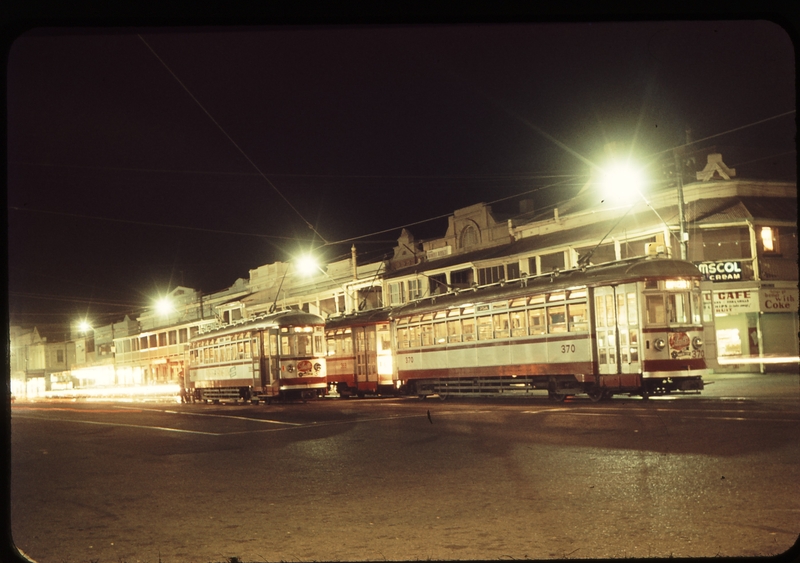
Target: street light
164	306
622	179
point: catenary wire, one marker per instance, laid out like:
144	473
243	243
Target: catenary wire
273	186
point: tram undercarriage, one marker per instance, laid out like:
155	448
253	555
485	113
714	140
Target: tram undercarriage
558	387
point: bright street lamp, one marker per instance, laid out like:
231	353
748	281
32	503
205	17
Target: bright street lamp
84	326
164	306
621	180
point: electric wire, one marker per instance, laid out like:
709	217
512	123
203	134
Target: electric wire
244	154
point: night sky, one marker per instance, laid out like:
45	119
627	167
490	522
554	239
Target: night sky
141	159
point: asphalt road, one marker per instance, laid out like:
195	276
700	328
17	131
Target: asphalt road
405	479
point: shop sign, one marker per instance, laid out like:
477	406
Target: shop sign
728	270
778	300
735	302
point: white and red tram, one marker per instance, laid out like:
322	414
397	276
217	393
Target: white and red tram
360	353
280	356
630	327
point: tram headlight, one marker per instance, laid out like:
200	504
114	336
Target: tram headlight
659	344
697	342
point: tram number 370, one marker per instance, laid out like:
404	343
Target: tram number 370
567	348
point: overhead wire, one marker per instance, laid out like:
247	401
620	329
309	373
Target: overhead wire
244	154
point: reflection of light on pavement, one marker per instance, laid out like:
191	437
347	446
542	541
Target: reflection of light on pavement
119	392
758	360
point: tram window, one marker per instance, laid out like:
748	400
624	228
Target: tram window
453	313
622	313
577	317
537	300
484	328
319	345
634	345
440	315
413	336
557	319
468	329
402	338
384	338
518	327
440	333
678	308
651	284
304	347
426	331
246	349
654	304
454	331
468	310
601	356
611	317
599	310
633	316
286	347
556	296
518	302
273	344
500	324
577	294
696	308
536	321
500	305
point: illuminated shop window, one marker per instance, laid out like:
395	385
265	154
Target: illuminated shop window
729	343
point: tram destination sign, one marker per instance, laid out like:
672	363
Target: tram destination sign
727	270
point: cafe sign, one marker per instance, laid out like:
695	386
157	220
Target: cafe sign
726	270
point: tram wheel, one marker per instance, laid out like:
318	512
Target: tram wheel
557	397
596	393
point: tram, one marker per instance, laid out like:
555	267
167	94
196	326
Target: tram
630	327
360	353
277	356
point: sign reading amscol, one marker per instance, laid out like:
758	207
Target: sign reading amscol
726	270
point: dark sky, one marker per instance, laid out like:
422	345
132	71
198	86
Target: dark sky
121	186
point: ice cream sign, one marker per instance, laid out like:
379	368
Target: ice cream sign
729	270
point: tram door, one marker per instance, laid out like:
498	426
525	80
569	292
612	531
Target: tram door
617	327
365	352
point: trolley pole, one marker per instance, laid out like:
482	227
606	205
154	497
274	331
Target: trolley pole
684	236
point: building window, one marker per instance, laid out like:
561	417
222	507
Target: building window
532	268
438	284
162	338
552	262
59	356
396	293
414	289
469	236
512	271
461	278
491	275
769	239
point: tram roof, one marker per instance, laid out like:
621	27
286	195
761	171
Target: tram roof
360	318
288	317
611	273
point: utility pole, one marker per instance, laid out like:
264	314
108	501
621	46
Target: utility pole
679	154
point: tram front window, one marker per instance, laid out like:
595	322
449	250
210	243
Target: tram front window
678	308
296	345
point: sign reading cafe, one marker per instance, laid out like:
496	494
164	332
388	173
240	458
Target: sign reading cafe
727	270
